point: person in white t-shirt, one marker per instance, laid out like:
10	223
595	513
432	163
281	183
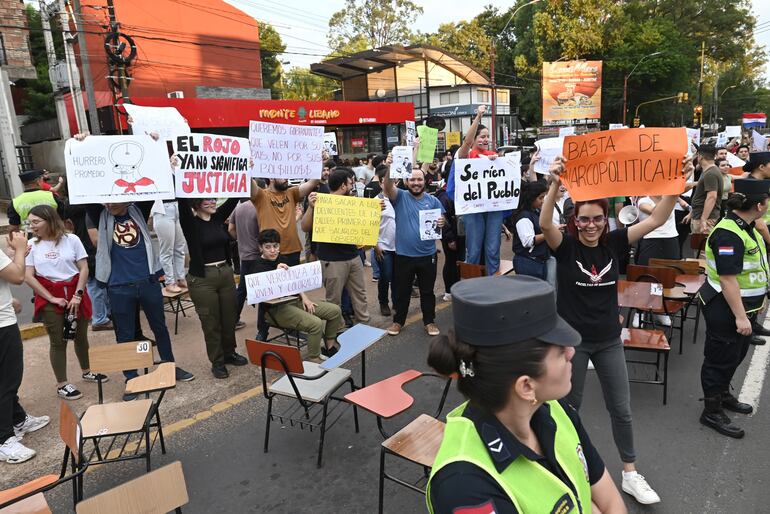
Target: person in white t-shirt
57	270
14	421
662	242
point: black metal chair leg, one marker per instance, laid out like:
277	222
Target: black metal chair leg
380	504
160	433
665	378
355	408
267	421
147	449
697	322
323	434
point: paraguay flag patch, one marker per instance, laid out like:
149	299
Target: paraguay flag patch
726	250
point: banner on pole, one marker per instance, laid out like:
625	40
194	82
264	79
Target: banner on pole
285	151
346	220
270	285
211	166
484	185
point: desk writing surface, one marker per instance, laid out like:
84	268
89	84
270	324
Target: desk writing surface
353	341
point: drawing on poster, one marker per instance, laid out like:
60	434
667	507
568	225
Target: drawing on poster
411	132
429	229
126	158
330	142
401	167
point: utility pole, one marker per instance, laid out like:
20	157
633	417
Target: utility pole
74	78
61	109
492	58
698	114
88	80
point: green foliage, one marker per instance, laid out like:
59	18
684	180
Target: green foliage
271	46
38	94
364	24
300	84
466	39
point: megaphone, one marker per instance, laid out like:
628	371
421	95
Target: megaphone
628	215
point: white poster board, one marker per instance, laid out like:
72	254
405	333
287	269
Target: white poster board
734	161
429	229
693	136
758	142
270	285
114	169
566	131
330	142
484	185
721	139
549	150
733	131
211	166
401	167
166	121
411	132
285	151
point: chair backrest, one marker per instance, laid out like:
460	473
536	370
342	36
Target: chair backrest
662	275
157	492
290	355
117	357
69	429
698	242
467	270
681	267
638	295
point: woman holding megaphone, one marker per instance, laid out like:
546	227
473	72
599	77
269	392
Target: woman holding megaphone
587	258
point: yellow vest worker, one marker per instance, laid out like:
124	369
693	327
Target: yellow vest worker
734	291
19	208
514	446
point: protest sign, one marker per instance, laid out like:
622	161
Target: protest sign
114	169
428	142
615	126
721	139
211	166
401	167
693	135
166	121
269	285
411	132
453	138
733	131
429	229
285	151
346	220
758	142
549	149
566	131
330	142
736	164
484	185
629	162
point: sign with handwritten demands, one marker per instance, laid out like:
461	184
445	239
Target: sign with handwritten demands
484	185
270	285
211	166
346	220
401	167
165	121
428	142
285	151
630	162
114	169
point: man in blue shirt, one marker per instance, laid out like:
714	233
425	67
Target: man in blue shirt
414	256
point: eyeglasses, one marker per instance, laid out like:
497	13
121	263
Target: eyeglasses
586	220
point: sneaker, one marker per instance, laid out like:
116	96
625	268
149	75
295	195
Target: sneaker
635	320
432	329
385	310
236	359
103	326
69	392
447	297
394	329
375	279
220	371
130	397
316	360
328	352
262	336
30	424
663	320
367	264
95	377
13	452
239	324
636	485
183	376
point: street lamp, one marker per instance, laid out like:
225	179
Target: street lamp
719	99
492	55
625	83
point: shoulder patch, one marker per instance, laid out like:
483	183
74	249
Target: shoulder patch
485	508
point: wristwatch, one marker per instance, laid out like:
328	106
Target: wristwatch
79	292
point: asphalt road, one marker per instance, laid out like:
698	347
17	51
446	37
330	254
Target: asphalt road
694	469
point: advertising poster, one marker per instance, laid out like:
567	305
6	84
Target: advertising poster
572	92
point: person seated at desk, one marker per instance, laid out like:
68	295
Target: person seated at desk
301	313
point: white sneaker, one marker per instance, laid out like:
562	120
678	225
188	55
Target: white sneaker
635	320
30	424
447	297
663	320
635	485
13	452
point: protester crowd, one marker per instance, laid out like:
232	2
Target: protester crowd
98	265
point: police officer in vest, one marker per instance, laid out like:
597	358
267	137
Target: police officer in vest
31	197
734	291
514	446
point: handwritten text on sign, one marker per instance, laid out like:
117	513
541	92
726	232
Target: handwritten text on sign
346	220
165	121
285	151
211	166
629	162
269	285
484	185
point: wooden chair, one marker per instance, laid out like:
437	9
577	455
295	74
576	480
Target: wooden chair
176	304
306	382
694	273
418	442
29	498
467	270
639	295
157	492
675	301
698	243
682	267
123	420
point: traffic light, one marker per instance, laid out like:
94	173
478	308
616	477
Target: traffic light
682	97
697	116
637	122
699	110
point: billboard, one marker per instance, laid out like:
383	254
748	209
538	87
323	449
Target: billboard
572	92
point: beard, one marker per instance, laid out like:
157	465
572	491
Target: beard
417	192
281	186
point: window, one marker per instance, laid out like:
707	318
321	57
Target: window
502	96
452	97
482	96
455	124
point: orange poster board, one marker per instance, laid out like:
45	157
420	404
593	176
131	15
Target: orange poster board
631	162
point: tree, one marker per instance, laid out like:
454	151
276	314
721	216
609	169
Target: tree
301	84
364	24
467	40
38	103
271	46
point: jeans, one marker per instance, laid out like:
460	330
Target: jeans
54	325
449	272
11	371
171	242
482	231
375	265
532	267
386	278
124	300
610	363
405	270
100	303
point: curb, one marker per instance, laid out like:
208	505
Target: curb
32	330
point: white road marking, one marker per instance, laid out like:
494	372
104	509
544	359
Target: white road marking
755	376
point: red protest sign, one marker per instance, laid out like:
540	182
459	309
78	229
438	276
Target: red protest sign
630	162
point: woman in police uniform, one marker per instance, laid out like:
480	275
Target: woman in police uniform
734	291
514	447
